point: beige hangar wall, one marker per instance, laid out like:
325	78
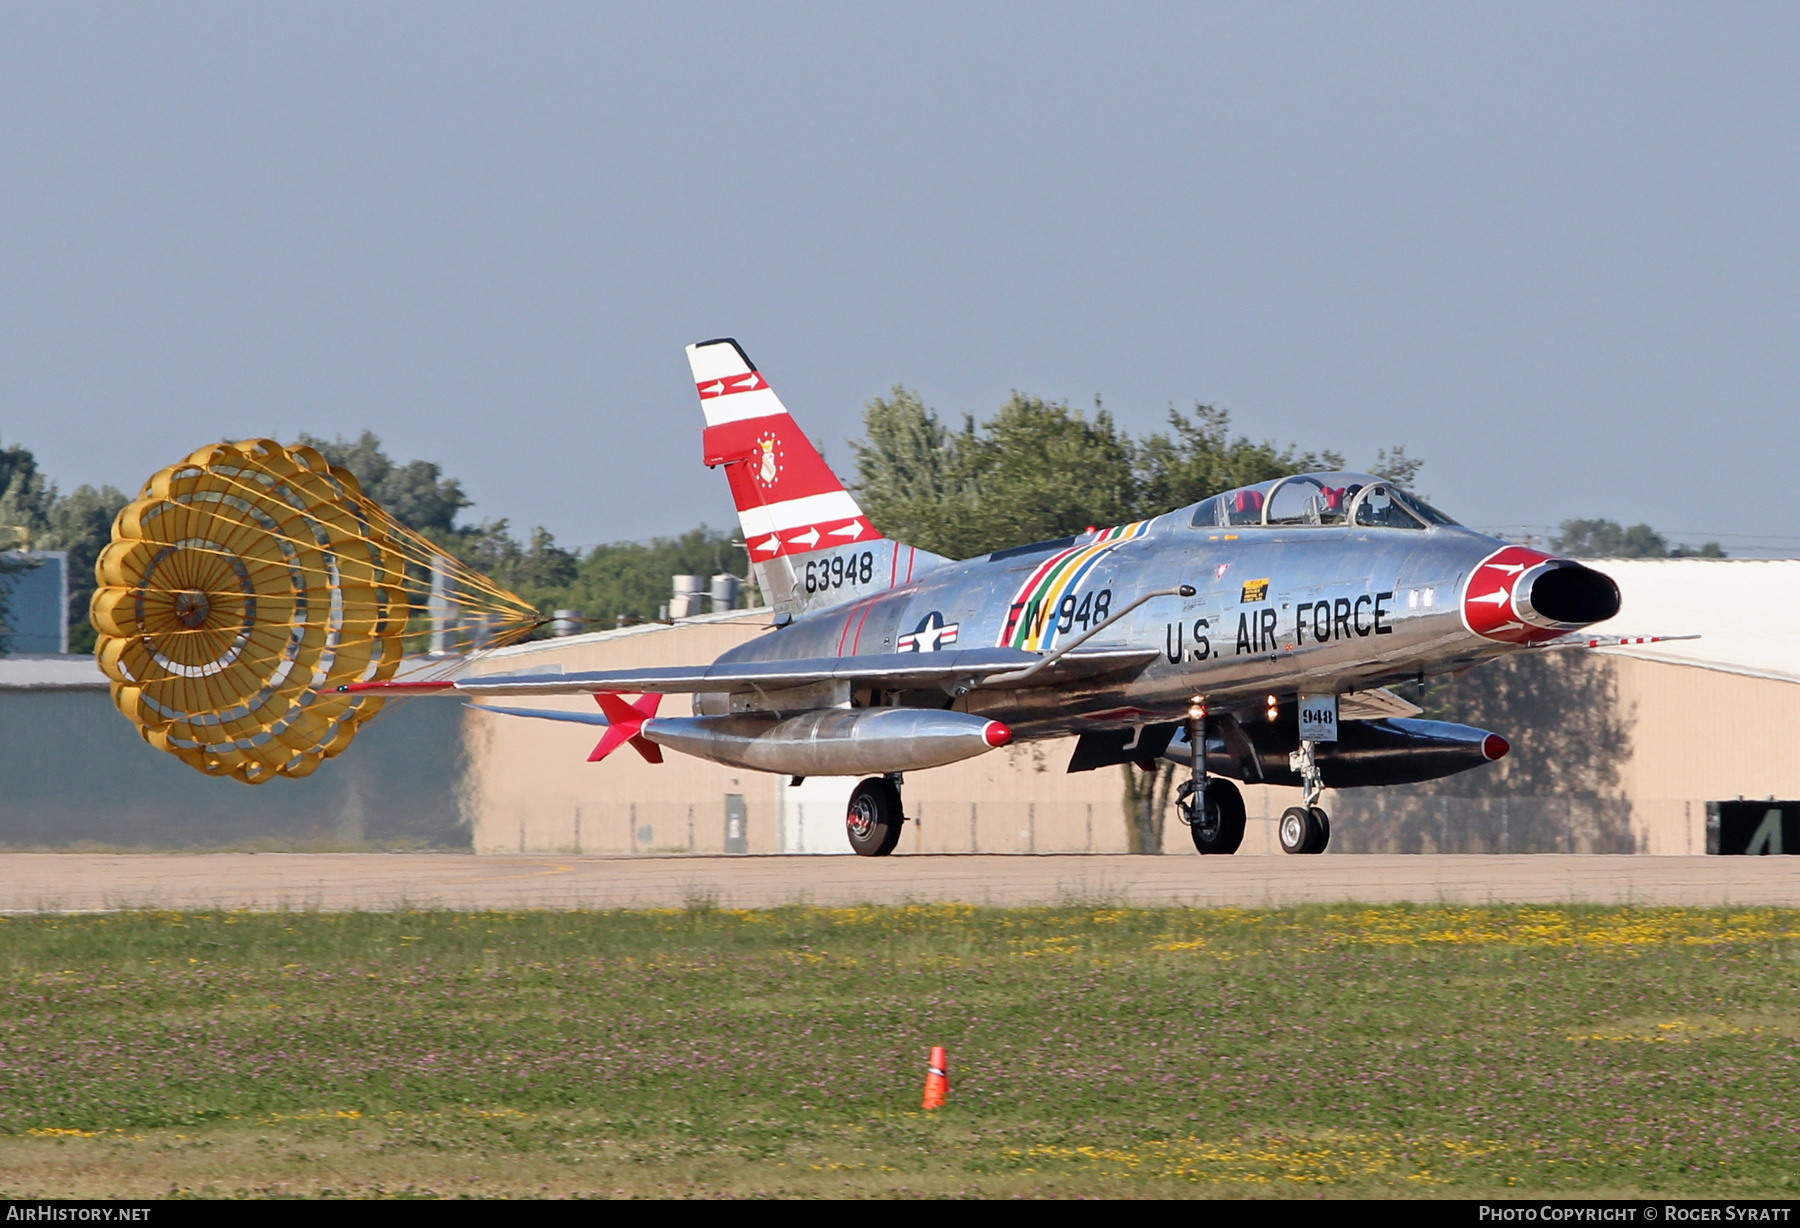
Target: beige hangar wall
1698	732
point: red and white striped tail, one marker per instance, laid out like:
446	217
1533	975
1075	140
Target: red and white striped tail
788	499
789	502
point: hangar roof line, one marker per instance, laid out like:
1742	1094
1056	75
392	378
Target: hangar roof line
1740	608
37	671
537	647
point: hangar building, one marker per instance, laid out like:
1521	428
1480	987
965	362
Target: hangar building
1614	751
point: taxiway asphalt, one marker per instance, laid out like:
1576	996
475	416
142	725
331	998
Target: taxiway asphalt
85	882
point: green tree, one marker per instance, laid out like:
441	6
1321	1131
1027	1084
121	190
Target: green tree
1035	470
21	489
81	523
33	515
11	564
627	580
1041	470
14	460
1038	470
630	580
913	474
25	498
1589	539
1395	466
1198	458
541	571
1146	804
416	494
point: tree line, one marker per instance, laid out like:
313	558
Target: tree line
1608	539
1037	470
1033	470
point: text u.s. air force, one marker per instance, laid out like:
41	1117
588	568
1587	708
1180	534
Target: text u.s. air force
1261	630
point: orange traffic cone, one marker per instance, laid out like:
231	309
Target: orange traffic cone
937	1078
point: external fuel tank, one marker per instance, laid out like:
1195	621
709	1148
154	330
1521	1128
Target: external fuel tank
832	741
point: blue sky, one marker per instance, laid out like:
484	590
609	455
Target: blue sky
1551	248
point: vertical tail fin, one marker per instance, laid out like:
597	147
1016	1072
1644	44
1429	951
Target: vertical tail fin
809	542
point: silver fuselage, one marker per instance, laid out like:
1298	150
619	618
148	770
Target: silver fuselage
1284	610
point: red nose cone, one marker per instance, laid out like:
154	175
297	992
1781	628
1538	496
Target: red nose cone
1495	747
999	735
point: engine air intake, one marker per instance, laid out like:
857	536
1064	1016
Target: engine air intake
1567	595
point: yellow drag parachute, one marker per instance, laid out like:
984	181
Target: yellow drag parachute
246	583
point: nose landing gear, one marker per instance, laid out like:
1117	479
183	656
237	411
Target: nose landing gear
1304	829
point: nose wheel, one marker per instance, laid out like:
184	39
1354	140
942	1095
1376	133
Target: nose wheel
874	818
1304	829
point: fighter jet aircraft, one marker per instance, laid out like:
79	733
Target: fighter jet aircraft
1260	626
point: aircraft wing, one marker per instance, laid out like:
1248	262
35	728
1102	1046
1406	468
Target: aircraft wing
888	671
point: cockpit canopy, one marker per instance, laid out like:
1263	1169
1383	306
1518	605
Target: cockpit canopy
1319	499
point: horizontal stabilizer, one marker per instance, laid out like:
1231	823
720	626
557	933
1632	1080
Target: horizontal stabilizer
625	723
546	714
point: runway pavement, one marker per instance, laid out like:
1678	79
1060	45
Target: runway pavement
34	882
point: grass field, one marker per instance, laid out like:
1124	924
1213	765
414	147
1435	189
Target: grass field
1329	1050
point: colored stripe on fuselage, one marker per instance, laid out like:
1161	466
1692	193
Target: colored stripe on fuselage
1031	621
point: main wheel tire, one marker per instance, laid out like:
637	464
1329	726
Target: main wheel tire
1295	830
1321	831
1221	828
874	818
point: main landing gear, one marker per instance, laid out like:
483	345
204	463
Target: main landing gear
1217	824
874	817
1305	829
1212	809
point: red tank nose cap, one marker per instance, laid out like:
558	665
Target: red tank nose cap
999	735
1495	747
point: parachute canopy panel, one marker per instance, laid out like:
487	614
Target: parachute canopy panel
248	582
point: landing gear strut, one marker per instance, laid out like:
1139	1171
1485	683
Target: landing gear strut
874	818
1212	809
1305	829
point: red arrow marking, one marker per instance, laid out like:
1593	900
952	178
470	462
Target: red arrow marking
748	382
